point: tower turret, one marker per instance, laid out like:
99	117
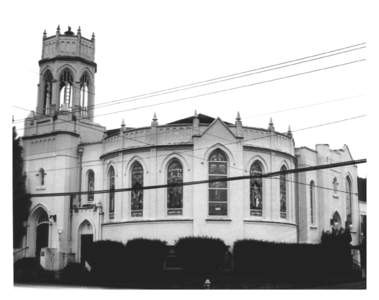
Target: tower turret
67	75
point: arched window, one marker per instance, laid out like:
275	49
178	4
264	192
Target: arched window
137	192
41	174
283	193
66	89
348	201
174	193
218	190
84	92
256	193
90	185
111	186
47	91
312	201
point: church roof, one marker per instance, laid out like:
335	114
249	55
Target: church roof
203	119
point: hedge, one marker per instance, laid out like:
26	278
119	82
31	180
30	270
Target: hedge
200	255
291	262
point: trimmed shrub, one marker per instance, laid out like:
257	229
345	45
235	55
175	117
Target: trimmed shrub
74	273
201	255
291	262
144	258
107	261
29	270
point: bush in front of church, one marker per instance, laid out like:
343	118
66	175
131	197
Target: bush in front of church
75	274
144	258
201	255
107	262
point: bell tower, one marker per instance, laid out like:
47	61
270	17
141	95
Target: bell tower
67	75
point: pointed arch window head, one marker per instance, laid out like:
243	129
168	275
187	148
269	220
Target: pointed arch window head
256	189
175	193
90	185
111	186
283	193
312	201
84	93
348	202
137	191
47	91
41	174
66	89
218	190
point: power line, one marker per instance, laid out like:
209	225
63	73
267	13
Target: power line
195	182
228	77
206	147
228	89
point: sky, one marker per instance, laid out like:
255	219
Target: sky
144	46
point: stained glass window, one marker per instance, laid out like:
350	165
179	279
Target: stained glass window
283	194
175	193
256	194
312	200
348	201
111	184
91	185
137	193
218	190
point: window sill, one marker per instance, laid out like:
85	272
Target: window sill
218	220
313	227
335	197
41	188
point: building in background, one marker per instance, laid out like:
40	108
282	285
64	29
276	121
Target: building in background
65	151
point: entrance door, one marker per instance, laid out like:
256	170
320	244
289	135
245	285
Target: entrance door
85	242
42	237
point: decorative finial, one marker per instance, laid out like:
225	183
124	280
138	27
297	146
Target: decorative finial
44	34
79	31
196	115
238	118
289	132
58	29
271	125
123	123
154	122
93	36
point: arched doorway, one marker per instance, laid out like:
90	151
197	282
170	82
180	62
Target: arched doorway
85	240
336	221
42	230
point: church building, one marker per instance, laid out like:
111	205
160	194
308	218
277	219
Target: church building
66	152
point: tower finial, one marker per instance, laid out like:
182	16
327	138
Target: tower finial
289	132
58	29
154	122
271	125
196	115
44	34
238	118
123	122
79	31
93	36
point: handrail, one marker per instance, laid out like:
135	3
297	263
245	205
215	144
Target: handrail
19	250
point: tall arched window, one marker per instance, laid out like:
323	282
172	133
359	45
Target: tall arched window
312	201
47	91
175	193
90	185
41	174
137	192
348	201
256	192
66	90
335	186
84	91
218	190
283	193
111	185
